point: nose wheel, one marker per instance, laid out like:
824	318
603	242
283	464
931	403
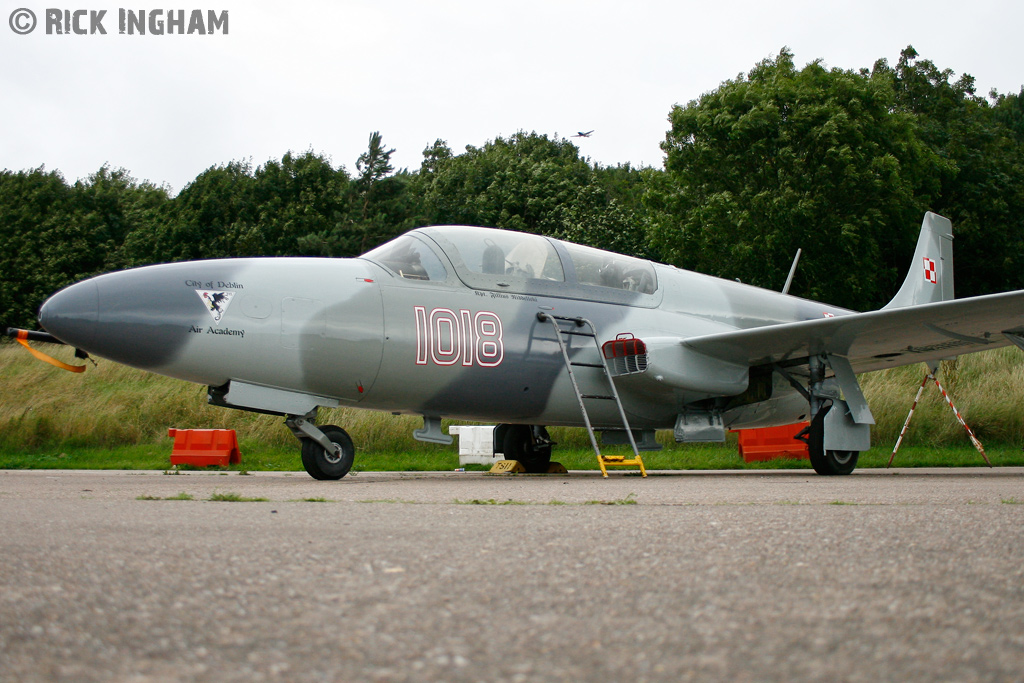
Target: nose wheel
323	464
327	451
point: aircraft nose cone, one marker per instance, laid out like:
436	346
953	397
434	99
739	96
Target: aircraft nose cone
138	317
71	314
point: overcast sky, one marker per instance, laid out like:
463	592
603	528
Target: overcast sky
324	75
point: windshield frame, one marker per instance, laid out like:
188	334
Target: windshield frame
427	245
570	288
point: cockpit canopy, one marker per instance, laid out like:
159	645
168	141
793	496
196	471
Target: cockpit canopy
501	252
506	261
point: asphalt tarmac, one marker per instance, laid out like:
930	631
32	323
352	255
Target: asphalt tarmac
905	575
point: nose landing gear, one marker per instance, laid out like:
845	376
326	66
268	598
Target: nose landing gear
327	451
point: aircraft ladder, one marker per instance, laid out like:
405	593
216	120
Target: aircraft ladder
579	323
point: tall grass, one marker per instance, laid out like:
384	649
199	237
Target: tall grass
987	388
111	405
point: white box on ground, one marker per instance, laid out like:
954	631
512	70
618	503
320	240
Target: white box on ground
476	445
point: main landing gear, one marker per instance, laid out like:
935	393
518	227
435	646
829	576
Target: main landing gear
529	444
327	451
839	428
824	461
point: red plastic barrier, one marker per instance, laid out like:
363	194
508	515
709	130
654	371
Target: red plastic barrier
204	447
757	445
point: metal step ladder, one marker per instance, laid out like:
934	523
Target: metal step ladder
578	329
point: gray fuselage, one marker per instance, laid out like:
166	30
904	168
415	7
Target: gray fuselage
441	322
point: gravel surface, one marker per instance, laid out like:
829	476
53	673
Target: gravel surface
910	575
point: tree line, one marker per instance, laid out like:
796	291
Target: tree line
840	163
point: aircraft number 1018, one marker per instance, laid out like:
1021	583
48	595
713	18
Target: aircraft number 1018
447	337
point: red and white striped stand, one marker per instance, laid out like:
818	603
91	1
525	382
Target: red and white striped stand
931	376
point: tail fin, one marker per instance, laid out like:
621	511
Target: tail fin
930	279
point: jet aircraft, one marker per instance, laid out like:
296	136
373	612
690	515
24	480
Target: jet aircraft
581	134
485	325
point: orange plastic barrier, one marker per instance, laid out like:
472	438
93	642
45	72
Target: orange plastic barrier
772	442
204	447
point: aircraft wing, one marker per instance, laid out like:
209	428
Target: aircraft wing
880	339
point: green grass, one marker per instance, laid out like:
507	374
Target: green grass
115	417
261	458
489	501
141	457
987	388
628	500
180	496
227	497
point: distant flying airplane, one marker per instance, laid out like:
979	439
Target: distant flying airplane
490	325
581	134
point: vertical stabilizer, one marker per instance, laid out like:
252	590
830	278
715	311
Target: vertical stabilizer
930	279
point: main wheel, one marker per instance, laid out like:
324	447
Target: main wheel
520	444
827	462
323	465
834	462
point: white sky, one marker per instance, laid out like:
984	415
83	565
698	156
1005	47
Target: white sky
324	75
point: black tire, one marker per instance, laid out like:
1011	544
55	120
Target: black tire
324	466
842	462
519	445
816	441
830	463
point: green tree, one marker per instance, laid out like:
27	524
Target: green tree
1008	111
598	219
297	197
533	183
979	174
521	183
782	159
52	234
517	183
381	205
32	203
281	208
205	220
433	156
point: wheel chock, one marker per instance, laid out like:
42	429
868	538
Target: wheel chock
507	467
514	466
204	447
